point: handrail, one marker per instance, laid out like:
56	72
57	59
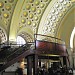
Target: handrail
12	50
4	44
18	51
48	38
18	54
6	52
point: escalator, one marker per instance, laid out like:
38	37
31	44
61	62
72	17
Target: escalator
10	57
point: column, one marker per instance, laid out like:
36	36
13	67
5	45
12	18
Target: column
39	62
35	64
29	65
65	60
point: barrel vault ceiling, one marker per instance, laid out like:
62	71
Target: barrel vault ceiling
29	17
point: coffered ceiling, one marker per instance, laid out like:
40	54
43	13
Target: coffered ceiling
29	17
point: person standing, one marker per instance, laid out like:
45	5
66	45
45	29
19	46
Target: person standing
19	71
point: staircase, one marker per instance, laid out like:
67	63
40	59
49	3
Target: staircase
9	56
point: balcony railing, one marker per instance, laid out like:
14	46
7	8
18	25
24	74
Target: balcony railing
48	38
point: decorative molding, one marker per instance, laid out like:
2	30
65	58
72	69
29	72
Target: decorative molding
54	16
3	37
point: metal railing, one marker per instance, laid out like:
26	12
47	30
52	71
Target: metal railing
10	53
48	38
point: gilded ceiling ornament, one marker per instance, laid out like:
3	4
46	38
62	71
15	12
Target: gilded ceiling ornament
28	7
68	5
41	5
25	14
33	9
65	3
36	18
5	21
48	22
29	22
1	4
10	1
54	18
53	30
60	14
34	24
60	8
31	1
45	0
56	12
8	7
37	2
31	15
57	20
53	11
49	29
50	16
64	10
46	28
23	21
57	6
61	1
5	15
54	24
39	11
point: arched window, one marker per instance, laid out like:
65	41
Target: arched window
20	40
72	37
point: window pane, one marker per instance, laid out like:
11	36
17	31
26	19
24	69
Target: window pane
20	40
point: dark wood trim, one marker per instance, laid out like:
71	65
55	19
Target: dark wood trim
35	64
29	65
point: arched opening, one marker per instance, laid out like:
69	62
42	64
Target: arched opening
72	37
20	40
